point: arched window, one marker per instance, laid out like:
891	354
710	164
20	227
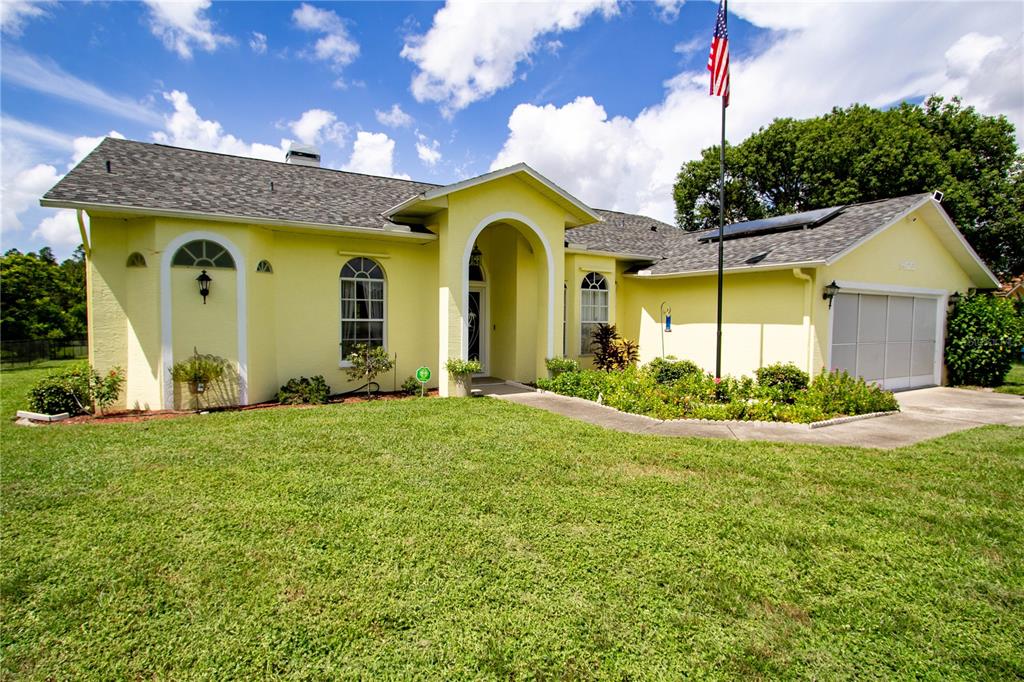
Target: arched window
203	253
362	304
593	307
265	266
136	260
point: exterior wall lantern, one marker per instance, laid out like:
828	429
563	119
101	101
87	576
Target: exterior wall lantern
476	256
830	292
204	285
954	298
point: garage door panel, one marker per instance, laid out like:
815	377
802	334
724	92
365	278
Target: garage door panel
886	339
922	358
844	358
871	360
844	319
897	360
924	319
871	321
901	318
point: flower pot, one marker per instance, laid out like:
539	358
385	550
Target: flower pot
462	386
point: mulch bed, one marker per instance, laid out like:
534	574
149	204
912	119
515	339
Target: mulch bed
129	416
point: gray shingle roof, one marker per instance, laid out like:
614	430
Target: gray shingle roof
171	178
675	251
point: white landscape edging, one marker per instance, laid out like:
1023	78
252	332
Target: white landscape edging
40	417
686	420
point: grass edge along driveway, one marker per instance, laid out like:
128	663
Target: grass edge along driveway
479	539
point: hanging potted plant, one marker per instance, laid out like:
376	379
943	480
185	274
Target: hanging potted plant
198	372
461	374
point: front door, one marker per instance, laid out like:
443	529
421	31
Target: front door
478	326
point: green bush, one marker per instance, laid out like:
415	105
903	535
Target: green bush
199	368
412	386
460	369
313	390
782	381
76	389
835	394
64	390
984	335
558	366
668	370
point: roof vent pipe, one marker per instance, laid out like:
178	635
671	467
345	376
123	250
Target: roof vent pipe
303	155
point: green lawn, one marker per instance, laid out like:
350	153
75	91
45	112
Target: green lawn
476	538
1014	381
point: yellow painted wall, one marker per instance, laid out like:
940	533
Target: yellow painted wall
762	319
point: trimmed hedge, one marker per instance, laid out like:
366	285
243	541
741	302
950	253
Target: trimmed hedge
984	335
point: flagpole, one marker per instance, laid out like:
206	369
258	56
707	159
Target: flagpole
721	241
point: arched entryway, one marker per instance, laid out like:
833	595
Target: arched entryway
514	306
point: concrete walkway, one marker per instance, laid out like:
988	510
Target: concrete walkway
925	413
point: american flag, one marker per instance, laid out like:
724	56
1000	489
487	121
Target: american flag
718	60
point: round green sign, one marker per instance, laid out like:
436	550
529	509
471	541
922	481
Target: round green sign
423	375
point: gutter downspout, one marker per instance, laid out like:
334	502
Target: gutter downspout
83	234
87	249
808	291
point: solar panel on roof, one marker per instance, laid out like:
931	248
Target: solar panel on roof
780	223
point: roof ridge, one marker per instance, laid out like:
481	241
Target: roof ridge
119	140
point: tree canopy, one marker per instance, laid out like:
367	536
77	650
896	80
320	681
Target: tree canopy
41	298
861	154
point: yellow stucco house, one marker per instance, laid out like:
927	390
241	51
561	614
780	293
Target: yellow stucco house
506	267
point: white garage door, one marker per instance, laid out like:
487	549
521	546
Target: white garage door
890	340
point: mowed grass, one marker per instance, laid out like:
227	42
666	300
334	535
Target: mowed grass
1014	381
479	539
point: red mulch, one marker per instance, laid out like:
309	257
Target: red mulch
143	416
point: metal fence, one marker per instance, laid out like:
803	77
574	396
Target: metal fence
25	352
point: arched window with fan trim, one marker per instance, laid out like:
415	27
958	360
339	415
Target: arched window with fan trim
593	307
363	304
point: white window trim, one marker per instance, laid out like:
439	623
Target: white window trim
607	306
342	362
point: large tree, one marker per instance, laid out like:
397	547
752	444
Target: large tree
861	154
41	298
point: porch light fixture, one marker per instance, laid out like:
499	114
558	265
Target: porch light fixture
204	285
954	298
476	256
830	292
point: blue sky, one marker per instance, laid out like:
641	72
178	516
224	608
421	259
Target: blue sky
606	97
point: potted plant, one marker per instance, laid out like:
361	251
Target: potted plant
198	372
460	373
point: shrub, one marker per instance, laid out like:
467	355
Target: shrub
368	362
611	351
64	390
558	366
302	390
412	386
782	381
668	370
460	369
76	389
837	393
984	335
199	369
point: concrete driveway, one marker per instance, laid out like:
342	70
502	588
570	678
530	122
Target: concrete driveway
925	413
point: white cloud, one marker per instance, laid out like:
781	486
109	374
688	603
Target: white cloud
336	47
185	128
59	229
318	125
36	133
818	61
48	78
394	117
258	42
183	24
14	14
428	150
22	191
473	48
82	146
373	153
668	10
